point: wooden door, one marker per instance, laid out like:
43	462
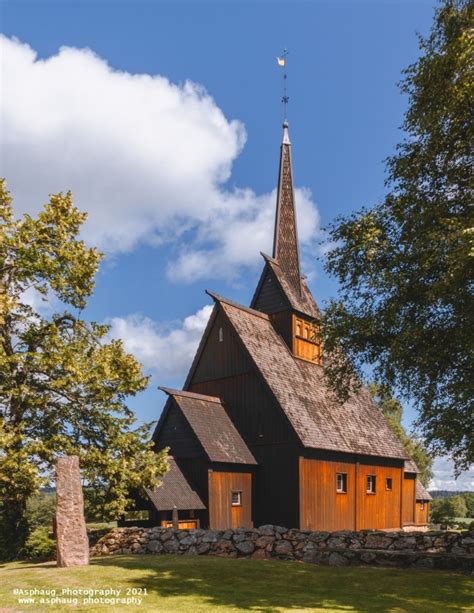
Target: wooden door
230	500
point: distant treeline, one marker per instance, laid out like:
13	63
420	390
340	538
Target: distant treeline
448	493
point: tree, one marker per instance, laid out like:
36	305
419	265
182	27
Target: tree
405	267
63	385
445	510
469	498
393	413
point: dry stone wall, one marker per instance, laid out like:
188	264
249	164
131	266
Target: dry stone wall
437	550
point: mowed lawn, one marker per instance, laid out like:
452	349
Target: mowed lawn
194	584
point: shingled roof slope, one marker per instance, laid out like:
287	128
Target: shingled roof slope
213	427
302	302
174	490
411	467
319	419
421	493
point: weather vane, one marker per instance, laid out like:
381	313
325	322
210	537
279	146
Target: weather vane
282	60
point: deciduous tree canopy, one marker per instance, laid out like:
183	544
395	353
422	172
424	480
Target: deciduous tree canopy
393	413
64	385
405	267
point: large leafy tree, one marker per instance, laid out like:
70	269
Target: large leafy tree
393	413
405	267
63	384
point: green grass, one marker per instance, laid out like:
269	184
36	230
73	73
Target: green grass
192	585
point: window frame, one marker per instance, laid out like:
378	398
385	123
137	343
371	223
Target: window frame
371	484
344	483
387	488
239	498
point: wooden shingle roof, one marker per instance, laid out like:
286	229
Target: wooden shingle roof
285	243
421	492
411	467
302	301
174	490
319	419
213	427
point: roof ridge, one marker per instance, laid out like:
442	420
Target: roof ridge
173	392
249	310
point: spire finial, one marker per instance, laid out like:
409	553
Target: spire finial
282	61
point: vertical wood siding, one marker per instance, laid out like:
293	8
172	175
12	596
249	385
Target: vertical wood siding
422	515
408	512
220	358
177	434
382	509
222	514
270	298
323	508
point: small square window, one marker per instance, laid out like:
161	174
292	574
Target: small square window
236	499
371	484
388	484
341	483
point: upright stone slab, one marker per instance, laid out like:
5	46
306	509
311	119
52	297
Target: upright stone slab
72	543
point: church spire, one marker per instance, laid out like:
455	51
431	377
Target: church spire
285	243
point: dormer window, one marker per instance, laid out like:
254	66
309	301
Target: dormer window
306	342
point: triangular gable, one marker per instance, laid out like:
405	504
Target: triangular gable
275	293
319	420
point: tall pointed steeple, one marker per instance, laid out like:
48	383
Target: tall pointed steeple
285	243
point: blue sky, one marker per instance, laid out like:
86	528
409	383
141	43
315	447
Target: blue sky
177	169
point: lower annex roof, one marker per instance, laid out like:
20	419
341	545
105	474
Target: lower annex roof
174	490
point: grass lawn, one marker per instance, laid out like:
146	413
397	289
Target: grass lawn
195	584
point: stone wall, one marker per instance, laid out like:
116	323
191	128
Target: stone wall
440	550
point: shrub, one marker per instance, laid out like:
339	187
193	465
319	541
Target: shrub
39	545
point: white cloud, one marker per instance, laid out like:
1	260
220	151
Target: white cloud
166	351
148	159
443	477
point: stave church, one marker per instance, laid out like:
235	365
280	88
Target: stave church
256	436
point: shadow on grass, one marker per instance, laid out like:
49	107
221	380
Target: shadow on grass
269	585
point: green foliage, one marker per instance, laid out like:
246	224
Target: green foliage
41	510
469	498
405	267
64	386
393	413
39	545
445	510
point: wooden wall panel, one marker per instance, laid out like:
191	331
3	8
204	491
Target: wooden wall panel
321	506
270	298
221	358
177	434
222	514
408	510
382	509
422	514
283	324
250	407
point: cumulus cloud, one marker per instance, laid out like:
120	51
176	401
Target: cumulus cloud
147	158
443	477
164	350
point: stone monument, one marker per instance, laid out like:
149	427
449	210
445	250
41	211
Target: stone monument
72	544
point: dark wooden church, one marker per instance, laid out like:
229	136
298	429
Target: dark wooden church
256	437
